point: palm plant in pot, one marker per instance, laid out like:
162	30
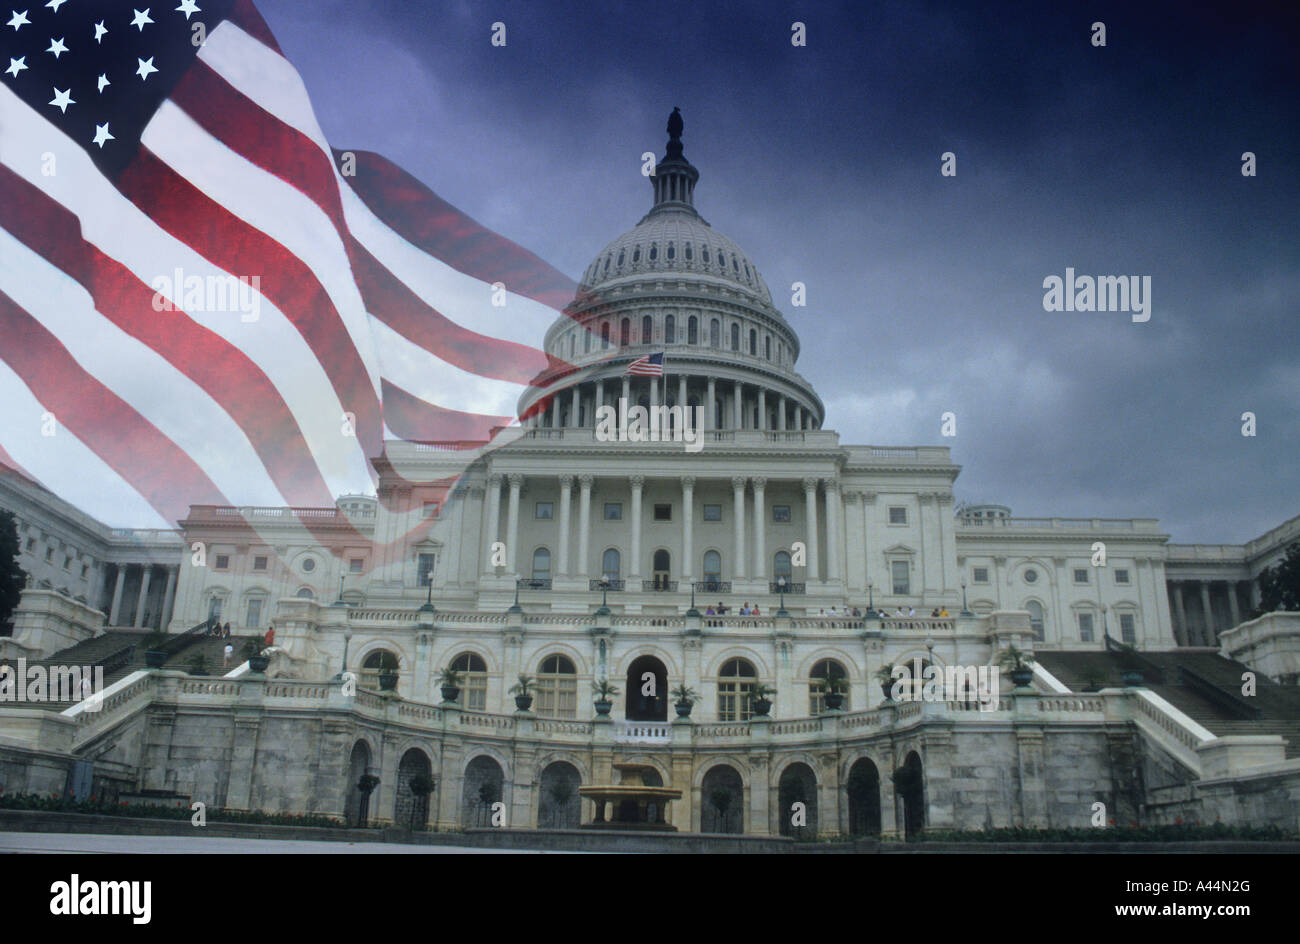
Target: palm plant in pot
759	702
833	687
684	699
1020	665
449	679
523	692
885	676
604	688
155	656
1130	665
1093	679
252	652
199	664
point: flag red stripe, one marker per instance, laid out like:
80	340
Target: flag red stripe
248	130
242	250
416	420
152	464
222	370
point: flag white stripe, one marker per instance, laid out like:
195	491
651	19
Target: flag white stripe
123	232
64	464
187	415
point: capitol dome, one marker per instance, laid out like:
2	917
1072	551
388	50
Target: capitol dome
674	286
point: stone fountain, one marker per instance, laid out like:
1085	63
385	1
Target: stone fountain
635	804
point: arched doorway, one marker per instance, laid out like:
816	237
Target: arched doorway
414	784
798	785
647	690
722	799
909	785
482	787
864	798
357	809
558	804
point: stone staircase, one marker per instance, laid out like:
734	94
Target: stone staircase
1278	706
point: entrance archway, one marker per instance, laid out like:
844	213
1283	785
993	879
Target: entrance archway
798	785
414	784
638	705
558	803
722	799
357	809
482	787
909	784
864	798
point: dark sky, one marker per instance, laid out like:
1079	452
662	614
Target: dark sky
925	292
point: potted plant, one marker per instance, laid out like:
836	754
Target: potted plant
1131	665
387	678
885	676
833	687
199	664
522	690
1020	665
155	656
449	679
759	703
604	688
685	699
252	651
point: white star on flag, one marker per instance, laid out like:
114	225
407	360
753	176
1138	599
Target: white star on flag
62	100
16	66
103	80
140	18
187	7
102	135
100	30
57	47
55	4
18	19
146	67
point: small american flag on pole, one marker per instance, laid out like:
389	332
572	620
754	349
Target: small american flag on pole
202	301
652	365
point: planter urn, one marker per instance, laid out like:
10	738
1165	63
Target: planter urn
684	708
1022	677
523	702
603	707
761	706
154	658
834	700
450	692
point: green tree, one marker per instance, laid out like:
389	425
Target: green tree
1279	585
12	578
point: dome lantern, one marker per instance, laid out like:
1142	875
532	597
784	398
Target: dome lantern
674	178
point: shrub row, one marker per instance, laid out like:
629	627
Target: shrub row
101	806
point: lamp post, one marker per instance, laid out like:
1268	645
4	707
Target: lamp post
871	601
780	586
427	610
964	610
604	597
347	640
692	611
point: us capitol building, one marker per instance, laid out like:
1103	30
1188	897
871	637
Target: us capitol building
775	556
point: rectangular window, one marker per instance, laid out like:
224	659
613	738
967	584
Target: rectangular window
663	512
899	572
259	563
67	563
1128	628
49	555
545	511
85	571
431	509
1081	575
254	613
613	511
223	561
1121	576
981	575
424	571
355	564
897	514
712	512
781	514
1085	627
31	543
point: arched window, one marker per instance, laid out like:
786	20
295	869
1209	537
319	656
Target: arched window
753	341
693	330
573	343
735	682
654	251
712	566
636	255
647	329
817	685
586	342
767	347
688	252
670	252
781	566
381	660
610	565
670	325
541	564
473	679
1035	618
604	335
715	333
722	260
557	688
735	337
704	254
624	332
620	257
662	569
606	269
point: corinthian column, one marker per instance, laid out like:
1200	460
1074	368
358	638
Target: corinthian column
493	527
634	553
834	531
566	491
584	525
760	525
810	515
738	497
512	523
688	525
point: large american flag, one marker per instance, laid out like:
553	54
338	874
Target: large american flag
149	155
